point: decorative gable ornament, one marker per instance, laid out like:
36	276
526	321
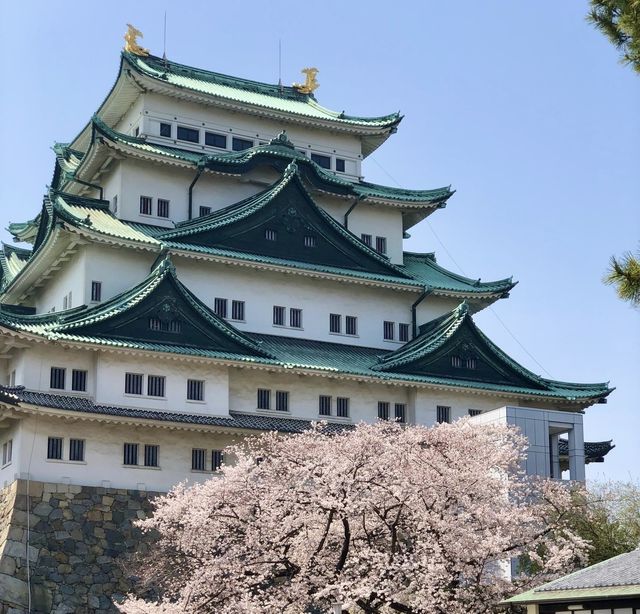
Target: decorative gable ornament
131	42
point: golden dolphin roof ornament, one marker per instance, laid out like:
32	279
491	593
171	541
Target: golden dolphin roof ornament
131	43
311	84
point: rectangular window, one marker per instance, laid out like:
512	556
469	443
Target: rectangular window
198	459
295	318
215	140
310	241
54	448
130	454
57	378
216	460
205	211
475	412
264	398
79	380
163	207
324	405
96	291
155	385
366	239
351	325
151	455
403	332
65	302
237	310
320	160
400	412
443	414
7	451
270	234
238	144
220	307
278	315
340	165
342	407
383	410
335	323
146	205
195	390
133	383
76	450
381	245
282	400
165	129
188	134
69	302
456	362
388	330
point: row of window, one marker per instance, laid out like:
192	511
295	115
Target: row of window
350	324
220	140
133	454
161	208
270	234
265	399
280	316
58	379
389	331
380	245
464	363
221	309
156	386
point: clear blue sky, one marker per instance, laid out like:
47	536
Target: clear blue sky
521	106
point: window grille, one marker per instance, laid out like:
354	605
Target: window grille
475	412
443	414
54	448
270	234
237	310
400	412
205	211
340	165
383	410
215	140
151	455
165	129
342	407
366	239
188	134
335	323
389	330
456	362
282	400
133	383
295	318
278	315
264	398
76	450
198	459
351	325
238	144
130	454
155	385
324	405
195	390
471	363
79	380
217	458
163	207
403	332
146	205
96	291
172	326
220	307
381	245
320	160
310	241
57	378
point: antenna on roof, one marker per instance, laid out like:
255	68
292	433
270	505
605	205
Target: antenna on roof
280	64
164	42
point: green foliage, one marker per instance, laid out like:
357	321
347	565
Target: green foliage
619	21
624	274
608	517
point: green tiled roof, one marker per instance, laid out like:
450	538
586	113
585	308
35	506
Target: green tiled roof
252	93
25	232
12	261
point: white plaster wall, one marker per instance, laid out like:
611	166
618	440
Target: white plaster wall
111	183
104	454
433	307
10	430
427	401
131	119
111	379
382	222
70	278
261	290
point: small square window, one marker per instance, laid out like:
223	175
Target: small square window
324	405
270	234
133	383
264	398
340	165
220	307
195	390
237	311
151	455
351	325
335	323
188	134
163	207
400	412
238	144
198	459
146	205
295	318
279	315
79	380
130	454
320	160
282	400
443	414
76	450
389	330
383	410
215	140
403	332
381	245
57	379
54	448
217	458
165	129
155	386
366	239
96	291
205	211
342	407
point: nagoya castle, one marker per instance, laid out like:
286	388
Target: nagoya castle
209	263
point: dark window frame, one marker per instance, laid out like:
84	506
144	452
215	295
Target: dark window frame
324	405
282	400
157	383
96	291
341	165
263	398
322	160
54	448
279	315
76	450
403	332
162	208
389	330
210	139
130	454
58	378
443	414
151	455
221	307
384	410
134	382
342	407
146	205
295	317
335	323
198	459
188	134
239	143
79	379
237	310
351	325
164	129
195	389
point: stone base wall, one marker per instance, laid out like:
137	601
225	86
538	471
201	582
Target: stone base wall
79	541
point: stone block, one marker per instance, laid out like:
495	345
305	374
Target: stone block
42	509
75	489
13	590
7	565
18	550
49	487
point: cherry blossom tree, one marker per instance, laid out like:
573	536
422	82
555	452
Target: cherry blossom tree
377	519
